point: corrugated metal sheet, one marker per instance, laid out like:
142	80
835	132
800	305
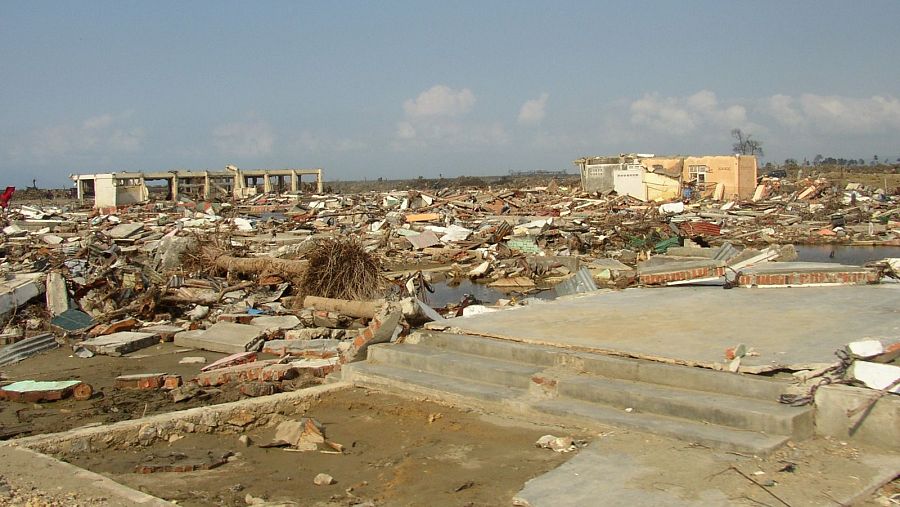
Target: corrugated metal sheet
27	347
581	282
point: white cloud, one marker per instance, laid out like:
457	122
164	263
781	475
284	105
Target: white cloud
533	111
834	114
96	136
440	100
434	118
685	115
251	138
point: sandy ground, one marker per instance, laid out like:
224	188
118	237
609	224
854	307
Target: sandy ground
397	452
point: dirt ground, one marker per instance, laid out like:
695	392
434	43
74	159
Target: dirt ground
397	452
108	403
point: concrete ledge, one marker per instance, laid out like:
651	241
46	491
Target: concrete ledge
26	468
880	426
225	418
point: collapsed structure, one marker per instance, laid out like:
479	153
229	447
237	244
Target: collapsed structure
199	302
124	188
660	178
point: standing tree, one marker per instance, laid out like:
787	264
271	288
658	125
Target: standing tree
745	144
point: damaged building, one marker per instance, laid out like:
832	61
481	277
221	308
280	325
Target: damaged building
124	188
659	178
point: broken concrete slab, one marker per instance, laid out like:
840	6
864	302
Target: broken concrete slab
125	230
120	343
232	360
793	274
34	391
272	323
225	337
875	375
314	348
18	289
57	293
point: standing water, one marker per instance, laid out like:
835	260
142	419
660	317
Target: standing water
843	254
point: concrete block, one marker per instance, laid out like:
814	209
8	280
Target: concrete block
117	344
123	231
272	323
877	427
224	337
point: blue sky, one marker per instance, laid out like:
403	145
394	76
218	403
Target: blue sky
402	89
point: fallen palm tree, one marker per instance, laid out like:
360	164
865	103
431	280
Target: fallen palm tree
288	268
342	269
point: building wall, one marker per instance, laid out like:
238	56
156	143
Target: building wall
104	191
660	187
629	180
598	177
737	173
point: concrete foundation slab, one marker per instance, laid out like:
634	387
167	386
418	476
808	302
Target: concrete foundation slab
225	337
120	343
789	328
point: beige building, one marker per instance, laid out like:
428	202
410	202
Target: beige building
656	178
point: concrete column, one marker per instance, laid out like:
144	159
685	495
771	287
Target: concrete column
319	186
206	184
174	188
267	183
79	190
294	181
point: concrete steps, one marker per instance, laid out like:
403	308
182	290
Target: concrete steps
561	386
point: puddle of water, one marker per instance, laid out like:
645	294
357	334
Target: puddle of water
850	255
444	293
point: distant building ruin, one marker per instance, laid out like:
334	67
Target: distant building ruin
657	178
124	188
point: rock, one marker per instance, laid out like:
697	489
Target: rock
323	480
192	360
558	444
147	434
244	440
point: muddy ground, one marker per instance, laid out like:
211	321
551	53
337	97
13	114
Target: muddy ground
108	404
396	452
403	451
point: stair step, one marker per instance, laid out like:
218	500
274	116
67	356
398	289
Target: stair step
685	377
711	435
453	364
446	388
715	408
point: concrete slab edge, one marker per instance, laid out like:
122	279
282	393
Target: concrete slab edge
88	483
211	414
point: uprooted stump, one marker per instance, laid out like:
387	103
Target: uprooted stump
342	269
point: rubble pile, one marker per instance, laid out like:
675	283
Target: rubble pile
312	280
